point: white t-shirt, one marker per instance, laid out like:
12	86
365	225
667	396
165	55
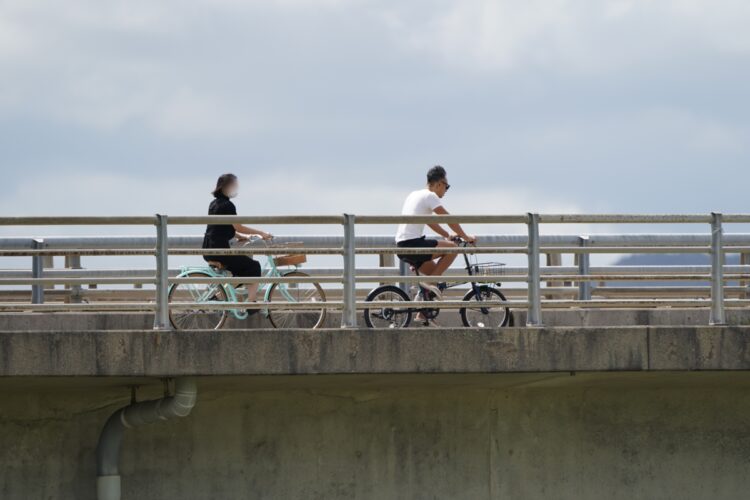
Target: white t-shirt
421	202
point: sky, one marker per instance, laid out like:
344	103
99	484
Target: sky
329	106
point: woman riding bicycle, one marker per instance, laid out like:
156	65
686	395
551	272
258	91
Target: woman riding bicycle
218	235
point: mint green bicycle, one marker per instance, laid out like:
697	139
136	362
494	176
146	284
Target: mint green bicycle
209	318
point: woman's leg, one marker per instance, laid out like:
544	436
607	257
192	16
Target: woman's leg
241	266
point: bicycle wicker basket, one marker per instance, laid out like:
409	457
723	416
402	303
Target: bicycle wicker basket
489	269
292	259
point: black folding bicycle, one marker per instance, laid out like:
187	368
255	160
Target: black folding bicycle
486	305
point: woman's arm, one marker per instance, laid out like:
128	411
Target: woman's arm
243	230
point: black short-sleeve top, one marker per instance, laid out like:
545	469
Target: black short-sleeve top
218	235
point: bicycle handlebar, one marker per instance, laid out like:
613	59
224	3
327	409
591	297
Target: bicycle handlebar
253	238
461	242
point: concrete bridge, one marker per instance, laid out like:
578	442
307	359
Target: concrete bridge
565	412
598	395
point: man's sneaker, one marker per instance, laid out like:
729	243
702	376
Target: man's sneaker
426	323
436	289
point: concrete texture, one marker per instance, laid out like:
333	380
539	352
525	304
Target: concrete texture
335	351
617	436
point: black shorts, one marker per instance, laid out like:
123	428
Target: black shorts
414	259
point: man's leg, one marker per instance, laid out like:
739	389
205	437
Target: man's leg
444	261
436	267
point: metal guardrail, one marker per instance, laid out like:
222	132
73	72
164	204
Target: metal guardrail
533	245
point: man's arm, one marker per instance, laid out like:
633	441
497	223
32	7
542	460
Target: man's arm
439	230
455	227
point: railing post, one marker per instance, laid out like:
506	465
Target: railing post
161	318
37	271
349	312
717	271
534	313
584	267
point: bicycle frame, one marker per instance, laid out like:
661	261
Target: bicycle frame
469	270
269	271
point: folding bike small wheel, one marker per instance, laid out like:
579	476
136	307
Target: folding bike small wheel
488	308
388	316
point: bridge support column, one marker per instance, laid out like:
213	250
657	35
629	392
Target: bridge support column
744	261
73	262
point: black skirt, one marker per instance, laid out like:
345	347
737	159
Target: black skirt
238	265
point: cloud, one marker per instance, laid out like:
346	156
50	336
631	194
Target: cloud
102	65
187	114
565	35
276	193
594	105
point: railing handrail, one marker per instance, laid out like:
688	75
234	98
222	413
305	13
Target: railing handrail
376	219
366	241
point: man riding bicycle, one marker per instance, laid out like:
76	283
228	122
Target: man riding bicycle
426	202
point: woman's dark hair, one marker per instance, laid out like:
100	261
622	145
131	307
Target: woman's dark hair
222	182
435	174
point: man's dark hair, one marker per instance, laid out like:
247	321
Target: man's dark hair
222	182
435	174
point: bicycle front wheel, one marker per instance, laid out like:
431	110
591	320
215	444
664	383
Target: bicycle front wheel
488	309
199	318
297	293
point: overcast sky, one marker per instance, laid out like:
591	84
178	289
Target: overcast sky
327	106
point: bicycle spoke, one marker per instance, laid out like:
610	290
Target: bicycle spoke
297	293
388	317
487	310
198	318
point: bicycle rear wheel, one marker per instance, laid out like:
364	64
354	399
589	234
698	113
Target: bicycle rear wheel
488	309
198	318
388	316
295	293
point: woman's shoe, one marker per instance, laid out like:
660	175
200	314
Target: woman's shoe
252	312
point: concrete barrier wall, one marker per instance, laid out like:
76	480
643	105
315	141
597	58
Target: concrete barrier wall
447	318
508	436
152	353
